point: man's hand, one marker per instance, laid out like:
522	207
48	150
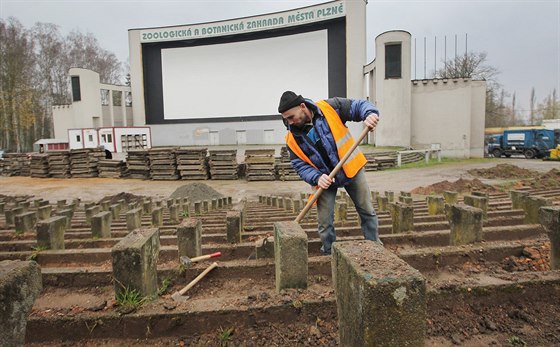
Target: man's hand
371	121
325	182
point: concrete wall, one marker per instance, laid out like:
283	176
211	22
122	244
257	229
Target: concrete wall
393	95
89	111
448	114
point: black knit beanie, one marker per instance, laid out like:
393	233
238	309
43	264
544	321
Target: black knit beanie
288	100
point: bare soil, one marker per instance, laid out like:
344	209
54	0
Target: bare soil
466	323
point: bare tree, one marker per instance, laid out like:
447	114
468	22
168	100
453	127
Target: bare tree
85	52
532	104
17	95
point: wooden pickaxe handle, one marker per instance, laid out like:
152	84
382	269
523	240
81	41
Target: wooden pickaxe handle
207	256
331	175
198	278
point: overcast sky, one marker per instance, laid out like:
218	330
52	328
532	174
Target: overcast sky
521	37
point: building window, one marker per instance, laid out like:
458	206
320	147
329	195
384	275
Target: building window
78	138
76	94
90	138
104	97
393	60
109	138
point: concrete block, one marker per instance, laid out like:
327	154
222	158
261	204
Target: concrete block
264	248
451	197
549	217
44	212
205	206
290	255
10	214
2	207
214	204
402	217
517	197
115	211
174	214
233	226
229	200
60	203
480	202
390	196
68	213
135	260
382	203
157	216
90	212
274	201
50	232
134	219
189	238
436	204
288	204
101	225
147	206
381	300
20	285
25	222
197	210
466	224
531	206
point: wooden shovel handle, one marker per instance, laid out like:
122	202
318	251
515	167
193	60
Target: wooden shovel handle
198	278
332	174
207	256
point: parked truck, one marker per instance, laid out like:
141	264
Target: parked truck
532	143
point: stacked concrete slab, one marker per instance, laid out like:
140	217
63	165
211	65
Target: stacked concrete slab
192	163
59	164
380	160
39	165
14	163
163	164
112	168
260	165
223	164
138	164
284	168
84	162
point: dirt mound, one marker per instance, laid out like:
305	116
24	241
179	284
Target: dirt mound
548	180
113	199
195	192
503	171
460	186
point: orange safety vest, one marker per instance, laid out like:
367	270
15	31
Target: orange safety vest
343	140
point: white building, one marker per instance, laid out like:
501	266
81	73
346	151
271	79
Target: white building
219	83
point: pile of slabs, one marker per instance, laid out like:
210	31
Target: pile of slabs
260	164
59	164
223	164
380	160
83	162
14	163
163	164
284	168
112	168
138	164
192	163
39	165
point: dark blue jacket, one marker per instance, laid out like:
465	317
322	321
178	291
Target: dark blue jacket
348	110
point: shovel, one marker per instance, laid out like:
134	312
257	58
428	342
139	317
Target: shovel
331	175
178	296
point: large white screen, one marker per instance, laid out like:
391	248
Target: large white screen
243	78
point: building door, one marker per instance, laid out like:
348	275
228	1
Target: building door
269	136
241	137
214	138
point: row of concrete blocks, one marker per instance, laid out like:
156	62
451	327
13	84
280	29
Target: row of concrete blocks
50	231
367	278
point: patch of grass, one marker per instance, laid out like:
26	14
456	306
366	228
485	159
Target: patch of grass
444	161
165	283
184	214
225	336
516	341
36	250
130	298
